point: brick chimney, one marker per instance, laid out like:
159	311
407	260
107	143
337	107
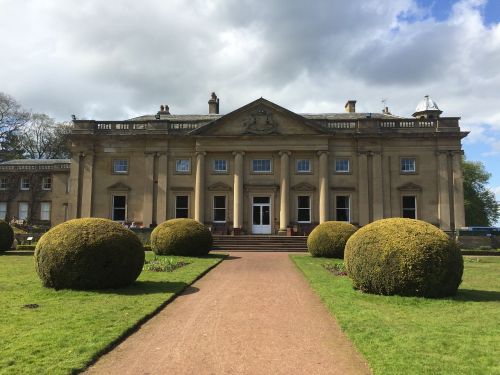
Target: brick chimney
213	105
350	106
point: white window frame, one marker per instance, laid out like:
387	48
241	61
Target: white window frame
215	166
298	166
349	203
403	209
178	163
113	207
338	160
259	163
182	208
120	166
402	165
45	214
22	216
47	183
309	209
4	183
24	184
214	208
3	210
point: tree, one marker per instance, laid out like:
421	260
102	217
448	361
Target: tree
12	118
481	207
43	138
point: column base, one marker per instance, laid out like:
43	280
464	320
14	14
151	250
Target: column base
282	232
236	231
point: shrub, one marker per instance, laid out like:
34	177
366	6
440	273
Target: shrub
6	236
185	237
329	238
404	257
89	253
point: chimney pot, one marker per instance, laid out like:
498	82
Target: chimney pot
350	106
213	105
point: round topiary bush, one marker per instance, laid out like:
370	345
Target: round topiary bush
6	236
89	253
329	238
181	237
405	257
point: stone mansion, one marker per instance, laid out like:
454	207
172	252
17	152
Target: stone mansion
260	169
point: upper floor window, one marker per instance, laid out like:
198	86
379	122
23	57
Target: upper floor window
4	183
342	166
120	166
220	165
408	165
25	183
303	166
183	165
261	165
410	207
47	183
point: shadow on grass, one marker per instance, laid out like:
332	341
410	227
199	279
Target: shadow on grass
146	287
473	295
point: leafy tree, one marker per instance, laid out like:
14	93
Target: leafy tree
12	118
43	138
481	207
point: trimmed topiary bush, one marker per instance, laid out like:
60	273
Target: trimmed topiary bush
405	257
185	237
329	238
88	253
6	236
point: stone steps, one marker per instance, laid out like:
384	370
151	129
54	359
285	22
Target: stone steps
260	243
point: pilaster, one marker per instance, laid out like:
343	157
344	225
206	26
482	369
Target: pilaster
238	192
363	194
199	188
443	188
87	184
284	190
161	214
147	207
323	186
458	190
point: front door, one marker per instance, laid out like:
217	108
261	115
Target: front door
261	215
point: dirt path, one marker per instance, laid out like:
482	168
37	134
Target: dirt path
252	314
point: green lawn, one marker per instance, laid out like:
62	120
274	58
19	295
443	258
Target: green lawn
70	328
405	335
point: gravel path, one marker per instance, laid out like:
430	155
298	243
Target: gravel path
252	314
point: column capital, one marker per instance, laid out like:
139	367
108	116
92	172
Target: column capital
238	153
201	153
284	152
321	152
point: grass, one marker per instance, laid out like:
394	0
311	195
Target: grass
405	335
69	329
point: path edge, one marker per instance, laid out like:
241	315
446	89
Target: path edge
135	327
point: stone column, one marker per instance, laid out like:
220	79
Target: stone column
161	213
75	188
363	191
458	191
147	205
238	192
199	188
378	191
284	191
87	184
323	186
443	193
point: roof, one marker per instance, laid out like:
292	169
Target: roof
36	161
427	104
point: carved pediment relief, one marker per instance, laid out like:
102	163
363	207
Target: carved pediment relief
219	186
410	186
119	186
260	122
304	186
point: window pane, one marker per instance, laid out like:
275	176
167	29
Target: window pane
3	183
119	207
220	165
303	165
265	215
120	166
408	165
409	202
304	215
261	199
220	202
3	210
261	165
45	211
342	207
256	215
23	210
303	202
182	165
181	206
220	208
410	207
342	165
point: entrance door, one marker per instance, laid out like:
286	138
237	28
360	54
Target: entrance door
261	215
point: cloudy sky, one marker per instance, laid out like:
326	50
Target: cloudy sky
118	59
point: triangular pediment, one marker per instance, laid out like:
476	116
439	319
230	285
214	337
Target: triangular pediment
219	186
410	186
119	186
260	118
303	186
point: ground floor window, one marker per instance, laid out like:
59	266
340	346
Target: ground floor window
304	209
23	211
119	207
219	209
410	207
181	206
342	208
3	210
45	211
